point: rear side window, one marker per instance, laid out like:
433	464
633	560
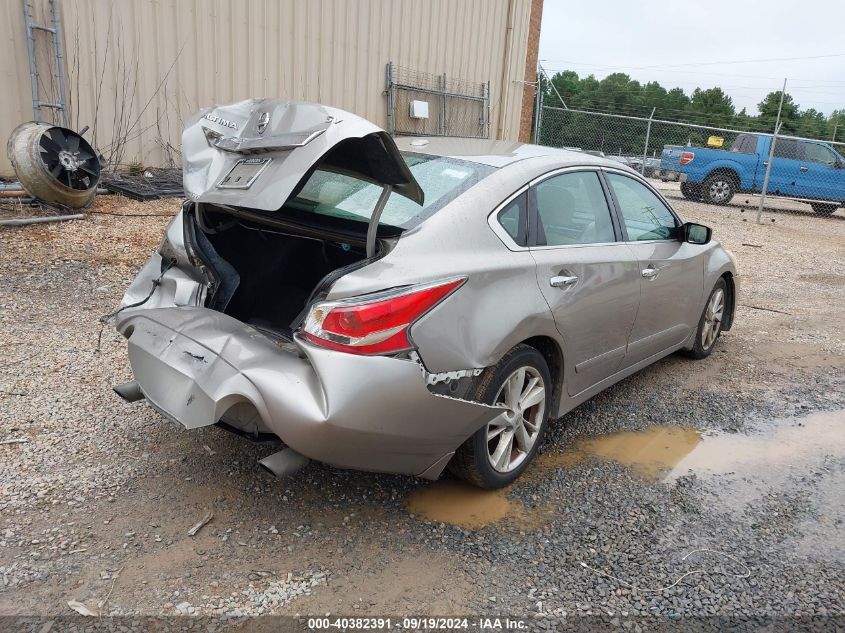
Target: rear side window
514	219
644	214
788	148
572	209
745	144
342	196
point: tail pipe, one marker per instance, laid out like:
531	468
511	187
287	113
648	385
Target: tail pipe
284	463
129	391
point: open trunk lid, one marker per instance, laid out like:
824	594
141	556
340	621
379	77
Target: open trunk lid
254	153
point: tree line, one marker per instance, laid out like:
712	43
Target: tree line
618	93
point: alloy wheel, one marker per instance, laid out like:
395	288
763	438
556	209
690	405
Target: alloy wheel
720	191
713	318
511	436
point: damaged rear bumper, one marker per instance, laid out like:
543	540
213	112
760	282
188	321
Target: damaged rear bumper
363	412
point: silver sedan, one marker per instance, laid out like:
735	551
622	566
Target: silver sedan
407	305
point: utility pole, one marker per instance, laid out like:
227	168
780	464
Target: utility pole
538	105
647	136
551	83
771	157
833	138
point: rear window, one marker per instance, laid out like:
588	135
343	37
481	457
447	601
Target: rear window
341	196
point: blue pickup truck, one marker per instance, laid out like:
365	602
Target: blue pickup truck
810	171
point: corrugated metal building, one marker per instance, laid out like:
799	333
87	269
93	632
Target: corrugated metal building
136	68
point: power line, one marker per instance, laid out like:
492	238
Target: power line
686	72
699	119
716	63
660	92
749	61
644	86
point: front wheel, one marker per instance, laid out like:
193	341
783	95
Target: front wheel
823	208
710	323
496	454
718	189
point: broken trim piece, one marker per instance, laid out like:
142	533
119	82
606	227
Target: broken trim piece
447	376
452	385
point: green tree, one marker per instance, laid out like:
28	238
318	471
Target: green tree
836	127
768	109
712	106
619	94
811	123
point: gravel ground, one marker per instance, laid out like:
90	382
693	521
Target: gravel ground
96	504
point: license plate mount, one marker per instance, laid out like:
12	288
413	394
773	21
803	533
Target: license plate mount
244	173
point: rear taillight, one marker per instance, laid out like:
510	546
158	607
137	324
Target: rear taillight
374	324
686	158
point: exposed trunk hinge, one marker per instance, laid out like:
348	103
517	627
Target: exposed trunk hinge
372	229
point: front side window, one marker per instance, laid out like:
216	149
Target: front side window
643	213
572	209
819	154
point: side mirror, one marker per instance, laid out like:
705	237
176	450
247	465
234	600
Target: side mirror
697	233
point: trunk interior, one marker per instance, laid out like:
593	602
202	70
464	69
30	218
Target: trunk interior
265	276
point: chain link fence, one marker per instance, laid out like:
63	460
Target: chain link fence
425	104
706	163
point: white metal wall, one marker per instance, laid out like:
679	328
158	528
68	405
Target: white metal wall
137	67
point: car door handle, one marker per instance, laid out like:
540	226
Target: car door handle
803	168
765	163
651	272
561	281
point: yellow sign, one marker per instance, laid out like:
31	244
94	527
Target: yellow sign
715	141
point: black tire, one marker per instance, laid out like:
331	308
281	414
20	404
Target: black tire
691	191
824	208
703	346
471	461
718	189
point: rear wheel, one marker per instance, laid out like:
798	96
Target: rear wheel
497	453
710	324
719	189
823	208
691	191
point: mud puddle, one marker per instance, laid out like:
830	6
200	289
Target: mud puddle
765	459
769	455
652	452
458	503
773	453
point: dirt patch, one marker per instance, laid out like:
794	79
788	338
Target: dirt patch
824	279
780	356
103	486
387	584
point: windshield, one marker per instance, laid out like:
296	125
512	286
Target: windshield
337	195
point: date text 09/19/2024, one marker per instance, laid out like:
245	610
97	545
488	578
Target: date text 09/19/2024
416	623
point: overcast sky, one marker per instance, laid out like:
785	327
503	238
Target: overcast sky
691	43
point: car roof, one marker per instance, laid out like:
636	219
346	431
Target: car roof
495	153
